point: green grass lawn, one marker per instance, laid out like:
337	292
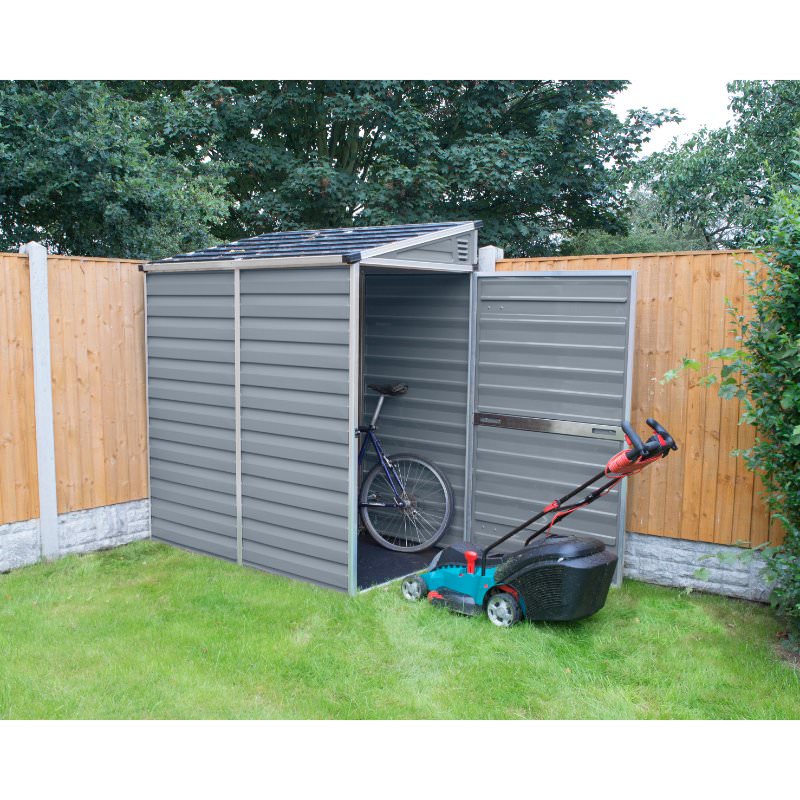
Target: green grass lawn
147	631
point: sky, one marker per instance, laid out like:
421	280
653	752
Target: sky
700	101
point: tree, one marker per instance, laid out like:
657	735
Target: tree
722	182
90	172
146	168
532	159
647	232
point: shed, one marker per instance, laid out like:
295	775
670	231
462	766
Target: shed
259	353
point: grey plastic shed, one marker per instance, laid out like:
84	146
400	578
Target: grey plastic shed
259	353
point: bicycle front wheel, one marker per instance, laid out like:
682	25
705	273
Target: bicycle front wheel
427	510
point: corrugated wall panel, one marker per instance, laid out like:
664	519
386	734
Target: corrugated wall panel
294	395
553	348
518	472
191	402
416	331
548	348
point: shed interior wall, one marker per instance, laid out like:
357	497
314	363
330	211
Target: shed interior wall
416	331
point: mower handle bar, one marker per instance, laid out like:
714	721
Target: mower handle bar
663	433
659	444
637	445
662	442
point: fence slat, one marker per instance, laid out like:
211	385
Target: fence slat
728	425
701	492
713	415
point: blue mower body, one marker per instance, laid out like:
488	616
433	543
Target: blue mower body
475	585
558	578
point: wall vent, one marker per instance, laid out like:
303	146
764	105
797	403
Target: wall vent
462	249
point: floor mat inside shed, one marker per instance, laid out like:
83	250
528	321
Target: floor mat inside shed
378	565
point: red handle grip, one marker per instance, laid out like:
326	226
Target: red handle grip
620	464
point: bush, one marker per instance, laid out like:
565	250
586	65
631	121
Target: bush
769	372
765	373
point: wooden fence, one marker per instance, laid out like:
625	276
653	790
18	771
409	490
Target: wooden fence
702	492
19	493
98	372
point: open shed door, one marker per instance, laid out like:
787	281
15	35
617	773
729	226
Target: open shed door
551	387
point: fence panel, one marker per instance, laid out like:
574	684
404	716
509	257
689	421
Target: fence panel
98	362
702	492
19	494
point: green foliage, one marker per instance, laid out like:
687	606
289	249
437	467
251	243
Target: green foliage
686	363
150	631
721	182
154	167
532	159
769	372
90	172
596	242
649	230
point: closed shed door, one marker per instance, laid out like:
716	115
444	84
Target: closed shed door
294	415
551	389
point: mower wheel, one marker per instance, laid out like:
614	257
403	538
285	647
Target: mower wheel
503	610
414	588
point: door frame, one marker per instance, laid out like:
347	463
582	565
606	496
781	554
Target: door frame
472	385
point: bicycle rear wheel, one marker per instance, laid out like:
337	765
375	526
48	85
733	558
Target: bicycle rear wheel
429	509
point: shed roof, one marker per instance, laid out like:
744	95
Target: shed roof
351	244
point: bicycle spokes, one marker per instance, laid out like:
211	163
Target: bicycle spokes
408	505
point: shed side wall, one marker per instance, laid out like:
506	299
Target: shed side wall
460	249
295	426
190	345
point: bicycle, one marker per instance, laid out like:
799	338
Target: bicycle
406	502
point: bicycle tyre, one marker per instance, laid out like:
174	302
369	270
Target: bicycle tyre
400	537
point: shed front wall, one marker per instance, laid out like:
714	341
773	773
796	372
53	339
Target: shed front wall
294	420
293	354
190	352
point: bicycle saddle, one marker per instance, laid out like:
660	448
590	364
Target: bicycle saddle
389	389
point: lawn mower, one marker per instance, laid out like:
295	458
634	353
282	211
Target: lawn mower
552	578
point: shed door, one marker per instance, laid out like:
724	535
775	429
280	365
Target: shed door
552	380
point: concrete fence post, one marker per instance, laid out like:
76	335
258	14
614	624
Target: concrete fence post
43	399
487	258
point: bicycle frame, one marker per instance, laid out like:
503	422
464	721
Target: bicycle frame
398	489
